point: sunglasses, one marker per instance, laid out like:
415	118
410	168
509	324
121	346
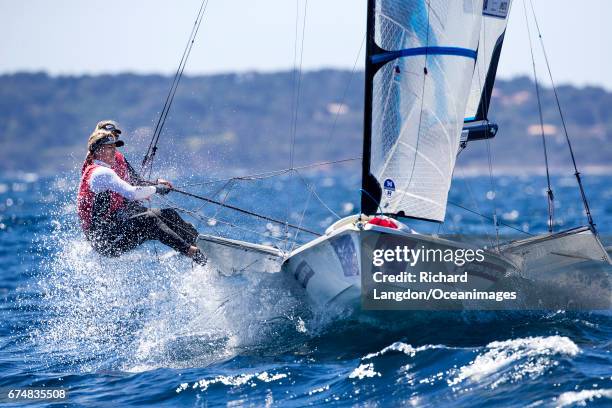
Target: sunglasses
110	127
109	141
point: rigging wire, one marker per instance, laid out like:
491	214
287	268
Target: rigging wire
243	211
311	188
549	192
147	161
567	138
229	183
205	218
294	79
299	86
488	218
368	195
269	174
493	192
473	198
295	103
224	200
331	132
297	231
293	109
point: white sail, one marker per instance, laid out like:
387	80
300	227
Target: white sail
494	21
424	55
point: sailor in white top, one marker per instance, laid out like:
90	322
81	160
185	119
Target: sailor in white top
103	178
112	217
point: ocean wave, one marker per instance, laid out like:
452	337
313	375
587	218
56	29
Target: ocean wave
580	398
232	381
364	371
511	360
404	348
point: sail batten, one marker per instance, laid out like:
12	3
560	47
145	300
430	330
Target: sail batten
419	64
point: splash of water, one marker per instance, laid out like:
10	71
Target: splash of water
150	309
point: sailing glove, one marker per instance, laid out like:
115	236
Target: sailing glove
162	189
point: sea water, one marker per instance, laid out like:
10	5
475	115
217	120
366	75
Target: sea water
151	329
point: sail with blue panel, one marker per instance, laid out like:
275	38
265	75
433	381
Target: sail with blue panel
419	67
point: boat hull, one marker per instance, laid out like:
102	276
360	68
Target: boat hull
327	271
231	257
329	268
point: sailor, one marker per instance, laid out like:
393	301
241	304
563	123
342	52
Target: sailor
112	217
122	167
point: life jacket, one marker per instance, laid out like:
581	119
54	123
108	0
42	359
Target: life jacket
120	167
86	200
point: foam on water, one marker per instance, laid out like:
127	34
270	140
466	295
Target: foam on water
581	398
364	371
233	381
498	363
511	360
402	348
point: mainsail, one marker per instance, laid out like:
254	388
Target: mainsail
494	20
419	65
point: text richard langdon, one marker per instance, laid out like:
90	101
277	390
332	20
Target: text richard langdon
398	276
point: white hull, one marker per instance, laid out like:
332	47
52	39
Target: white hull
551	252
329	267
230	256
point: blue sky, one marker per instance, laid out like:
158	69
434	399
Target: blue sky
148	36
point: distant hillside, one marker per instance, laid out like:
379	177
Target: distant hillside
222	122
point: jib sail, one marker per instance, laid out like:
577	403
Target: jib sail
494	20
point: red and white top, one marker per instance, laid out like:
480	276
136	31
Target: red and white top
98	177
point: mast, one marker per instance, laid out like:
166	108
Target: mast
370	190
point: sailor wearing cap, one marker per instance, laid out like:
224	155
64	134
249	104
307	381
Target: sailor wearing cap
111	217
121	166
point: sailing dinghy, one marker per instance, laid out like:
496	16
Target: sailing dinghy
430	69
